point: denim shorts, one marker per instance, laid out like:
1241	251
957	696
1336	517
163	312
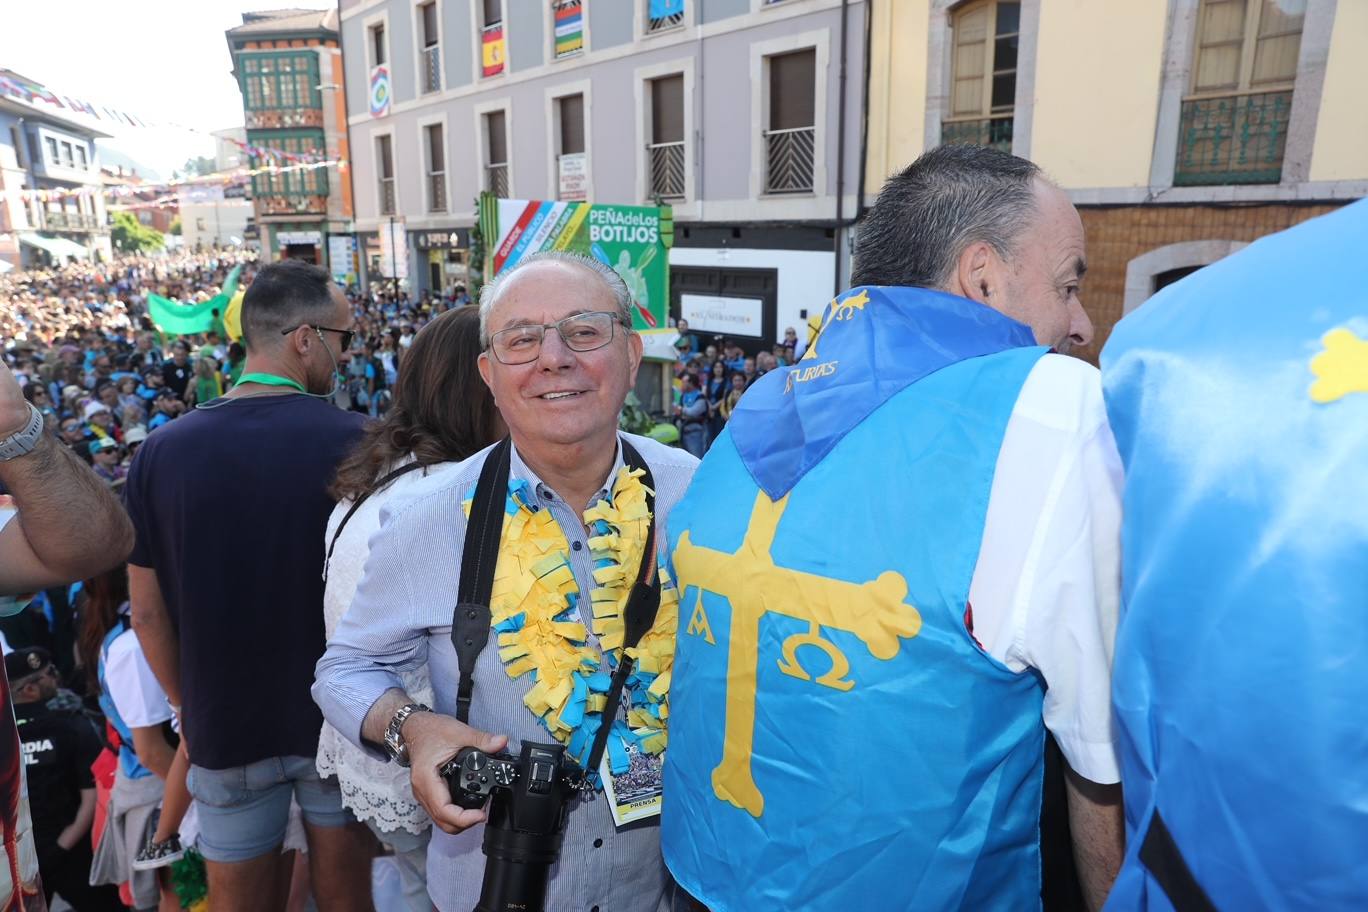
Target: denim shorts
243	810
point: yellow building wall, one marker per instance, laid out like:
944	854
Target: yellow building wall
1098	72
897	87
1341	148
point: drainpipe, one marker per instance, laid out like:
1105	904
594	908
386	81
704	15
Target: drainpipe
840	148
863	141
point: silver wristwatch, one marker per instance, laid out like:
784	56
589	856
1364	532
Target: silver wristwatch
22	443
394	739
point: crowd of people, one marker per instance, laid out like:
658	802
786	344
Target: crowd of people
282	634
108	777
710	378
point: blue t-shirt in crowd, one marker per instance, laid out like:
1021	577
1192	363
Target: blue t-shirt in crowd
230	505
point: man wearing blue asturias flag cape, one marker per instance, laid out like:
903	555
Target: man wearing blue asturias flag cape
1239	397
898	568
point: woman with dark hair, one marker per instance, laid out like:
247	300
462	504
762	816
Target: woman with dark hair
442	413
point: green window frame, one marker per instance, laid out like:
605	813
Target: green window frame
313	182
280	80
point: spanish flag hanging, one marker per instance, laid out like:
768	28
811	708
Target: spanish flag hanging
493	51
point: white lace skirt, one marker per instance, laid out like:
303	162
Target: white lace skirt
377	791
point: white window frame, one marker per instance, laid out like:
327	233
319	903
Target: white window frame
416	15
819	40
422	124
549	26
504	104
683	66
370	22
639	18
477	76
553	95
375	135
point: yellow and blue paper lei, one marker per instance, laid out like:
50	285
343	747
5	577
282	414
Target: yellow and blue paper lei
535	603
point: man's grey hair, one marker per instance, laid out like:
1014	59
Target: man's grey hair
931	211
492	291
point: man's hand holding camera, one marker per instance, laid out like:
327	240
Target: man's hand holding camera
432	740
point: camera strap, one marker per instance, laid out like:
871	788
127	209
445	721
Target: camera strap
471	619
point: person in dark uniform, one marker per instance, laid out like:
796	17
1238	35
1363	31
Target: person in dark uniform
58	749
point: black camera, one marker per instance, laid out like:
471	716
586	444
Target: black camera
531	796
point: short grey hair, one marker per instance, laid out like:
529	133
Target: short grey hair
929	213
492	291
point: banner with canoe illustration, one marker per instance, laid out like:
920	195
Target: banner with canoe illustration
634	240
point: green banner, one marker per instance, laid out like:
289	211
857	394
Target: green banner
178	319
634	240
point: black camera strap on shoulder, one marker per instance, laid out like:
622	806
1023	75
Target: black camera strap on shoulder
470	621
356	505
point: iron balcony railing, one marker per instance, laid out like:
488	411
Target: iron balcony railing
1234	139
278	203
789	159
666	163
387	206
496	179
994	132
277	119
432	69
664	23
69	221
437	193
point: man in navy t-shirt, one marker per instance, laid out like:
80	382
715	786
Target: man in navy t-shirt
230	504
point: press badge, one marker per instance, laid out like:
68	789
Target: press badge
637	793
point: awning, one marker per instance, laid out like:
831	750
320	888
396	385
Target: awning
58	247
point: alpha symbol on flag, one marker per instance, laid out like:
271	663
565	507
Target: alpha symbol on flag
698	623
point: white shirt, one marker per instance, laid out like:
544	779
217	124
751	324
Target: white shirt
137	696
1047	587
375	790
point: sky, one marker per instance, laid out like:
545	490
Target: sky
165	61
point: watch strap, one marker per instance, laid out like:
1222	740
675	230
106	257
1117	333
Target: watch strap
394	737
23	442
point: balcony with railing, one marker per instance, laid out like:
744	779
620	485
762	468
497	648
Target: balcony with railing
432	69
283	118
387	201
656	24
1233	139
69	221
789	157
496	179
290	203
437	193
994	132
666	166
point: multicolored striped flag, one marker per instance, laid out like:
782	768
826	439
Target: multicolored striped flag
569	27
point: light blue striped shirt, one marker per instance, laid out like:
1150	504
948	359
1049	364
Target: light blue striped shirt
401	619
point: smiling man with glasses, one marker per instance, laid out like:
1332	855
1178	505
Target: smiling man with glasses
560	357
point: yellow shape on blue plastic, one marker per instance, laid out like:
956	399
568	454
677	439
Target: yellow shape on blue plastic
698	622
1342	368
755	586
840	309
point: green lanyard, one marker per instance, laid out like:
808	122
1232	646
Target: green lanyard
270	380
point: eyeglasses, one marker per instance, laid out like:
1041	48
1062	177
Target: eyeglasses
346	334
581	333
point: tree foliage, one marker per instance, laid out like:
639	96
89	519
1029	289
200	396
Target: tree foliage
130	235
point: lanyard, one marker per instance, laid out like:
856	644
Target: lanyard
270	380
